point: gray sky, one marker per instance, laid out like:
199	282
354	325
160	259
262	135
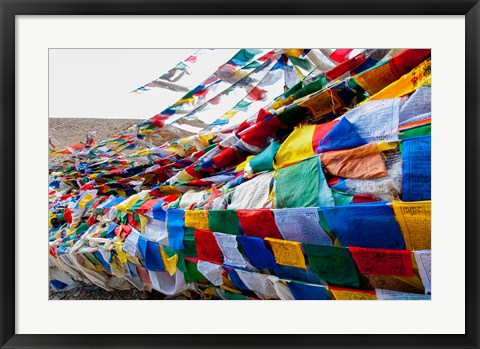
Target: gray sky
96	83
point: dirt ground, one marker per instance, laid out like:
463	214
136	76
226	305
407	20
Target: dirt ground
67	131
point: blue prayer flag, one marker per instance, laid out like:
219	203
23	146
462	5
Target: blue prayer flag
175	228
258	255
416	169
342	136
151	254
365	225
308	292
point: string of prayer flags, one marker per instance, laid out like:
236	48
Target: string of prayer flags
258	255
332	264
259	223
287	253
367	225
416	156
372	261
314	191
415	222
321	193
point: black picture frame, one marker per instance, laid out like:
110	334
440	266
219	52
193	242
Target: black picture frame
9	9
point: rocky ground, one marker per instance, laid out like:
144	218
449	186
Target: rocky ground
87	292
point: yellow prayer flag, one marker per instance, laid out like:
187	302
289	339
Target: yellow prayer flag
87	198
189	101
170	263
294	52
287	252
385	146
322	103
415	222
121	255
353	295
241	166
184	176
282	102
116	267
408	83
376	78
196	219
143	222
126	204
169	190
229	114
297	146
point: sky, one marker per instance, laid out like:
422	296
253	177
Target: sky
96	83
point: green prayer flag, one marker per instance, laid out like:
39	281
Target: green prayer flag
192	274
341	198
291	116
223	221
314	86
313	190
231	296
242	105
264	160
300	62
189	243
181	262
91	258
423	130
82	228
253	65
335	265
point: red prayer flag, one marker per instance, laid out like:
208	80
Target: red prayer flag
375	261
207	247
259	223
341	54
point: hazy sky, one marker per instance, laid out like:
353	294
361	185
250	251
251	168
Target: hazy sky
96	83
